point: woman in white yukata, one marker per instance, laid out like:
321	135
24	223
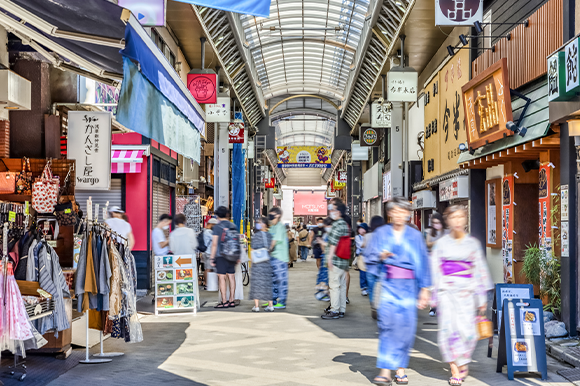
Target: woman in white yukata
460	283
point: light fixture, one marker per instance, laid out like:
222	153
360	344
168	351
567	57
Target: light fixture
471	151
462	147
11	108
450	50
463	39
480	26
515	129
247	44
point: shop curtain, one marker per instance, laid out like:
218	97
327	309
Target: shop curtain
238	184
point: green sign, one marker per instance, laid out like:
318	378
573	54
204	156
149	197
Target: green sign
558	76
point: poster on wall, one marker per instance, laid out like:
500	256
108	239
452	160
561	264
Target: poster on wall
310	203
507	228
304	157
545	226
492	196
89	143
387	188
564	214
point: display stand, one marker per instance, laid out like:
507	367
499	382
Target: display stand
107	354
176	288
88	360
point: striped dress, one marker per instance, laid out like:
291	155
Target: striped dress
261	274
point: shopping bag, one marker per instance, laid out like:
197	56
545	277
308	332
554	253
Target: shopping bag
212	281
484	327
45	191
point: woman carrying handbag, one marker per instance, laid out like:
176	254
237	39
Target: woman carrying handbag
261	283
461	281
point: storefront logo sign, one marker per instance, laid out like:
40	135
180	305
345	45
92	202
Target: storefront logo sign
342	177
236	132
572	79
218	112
458	12
381	114
370	137
203	87
402	86
543	184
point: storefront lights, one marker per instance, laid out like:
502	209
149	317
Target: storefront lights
574	127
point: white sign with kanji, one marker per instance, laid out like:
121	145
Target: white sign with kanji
572	76
380	115
402	86
89	144
219	112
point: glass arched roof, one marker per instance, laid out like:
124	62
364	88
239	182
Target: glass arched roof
304	130
305	46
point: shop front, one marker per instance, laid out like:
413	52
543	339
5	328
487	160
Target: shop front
372	192
423	203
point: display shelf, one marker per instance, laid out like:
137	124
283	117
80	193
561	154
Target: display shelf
15	197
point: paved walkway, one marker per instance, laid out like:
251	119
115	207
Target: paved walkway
292	347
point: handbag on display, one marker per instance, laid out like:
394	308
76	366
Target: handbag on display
484	327
45	191
261	254
65	214
7	181
24	178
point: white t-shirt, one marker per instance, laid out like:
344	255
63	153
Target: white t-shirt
157	236
119	225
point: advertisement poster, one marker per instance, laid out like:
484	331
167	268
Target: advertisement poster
545	227
507	228
521	352
236	132
564	216
491	215
310	203
175	283
565	240
304	157
530	322
387	188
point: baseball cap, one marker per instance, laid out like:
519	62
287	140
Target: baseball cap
116	209
213	221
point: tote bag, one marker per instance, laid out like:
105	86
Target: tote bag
45	191
261	254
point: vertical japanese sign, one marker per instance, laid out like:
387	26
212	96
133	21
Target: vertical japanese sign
507	228
402	84
89	143
564	225
571	57
544	208
381	114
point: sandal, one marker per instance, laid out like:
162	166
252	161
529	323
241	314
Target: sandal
382	381
231	304
401	380
222	305
455	381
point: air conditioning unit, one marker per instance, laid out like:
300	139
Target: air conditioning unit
14	91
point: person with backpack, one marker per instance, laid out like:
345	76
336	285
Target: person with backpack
225	254
279	258
303	242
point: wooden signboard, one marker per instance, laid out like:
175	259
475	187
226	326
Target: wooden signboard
522	344
493	218
488	106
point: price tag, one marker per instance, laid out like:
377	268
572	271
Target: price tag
12	216
68	210
26	208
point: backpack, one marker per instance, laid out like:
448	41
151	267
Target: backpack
201	242
230	245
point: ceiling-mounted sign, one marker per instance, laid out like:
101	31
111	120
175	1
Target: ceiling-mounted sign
341	176
381	114
425	199
304	157
149	13
270	183
488	106
89	143
359	153
218	112
203	87
454	188
236	132
458	12
402	84
330	193
370	136
310	203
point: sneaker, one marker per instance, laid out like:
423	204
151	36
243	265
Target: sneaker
279	306
347	300
432	313
256	309
364	292
341	315
330	315
269	309
325	298
327	309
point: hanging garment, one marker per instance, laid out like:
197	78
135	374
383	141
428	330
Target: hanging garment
116	296
22	267
17	317
31	264
81	273
90	282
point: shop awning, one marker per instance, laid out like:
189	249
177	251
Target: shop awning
86	36
127	159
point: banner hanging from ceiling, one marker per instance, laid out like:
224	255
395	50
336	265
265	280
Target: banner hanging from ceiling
304	157
248	7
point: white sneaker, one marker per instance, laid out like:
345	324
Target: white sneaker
364	292
256	309
269	309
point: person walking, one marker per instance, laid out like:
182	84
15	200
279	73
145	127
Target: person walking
315	239
223	266
158	240
279	258
292	248
434	233
120	226
303	242
359	241
207	240
373	268
182	241
461	280
261	283
402	255
322	292
337	266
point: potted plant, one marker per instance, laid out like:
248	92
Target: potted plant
550	282
531	268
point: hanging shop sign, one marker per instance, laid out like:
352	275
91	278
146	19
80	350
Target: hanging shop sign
444	116
387	187
219	111
558	77
89	143
369	136
402	84
458	12
424	199
507	228
341	177
454	188
310	203
149	13
381	114
338	185
175	283
487	105
544	208
572	59
203	87
304	157
236	132
330	193
270	183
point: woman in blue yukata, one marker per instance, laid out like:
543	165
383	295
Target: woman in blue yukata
400	252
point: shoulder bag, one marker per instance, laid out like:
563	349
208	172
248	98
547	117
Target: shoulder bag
261	254
24	178
344	247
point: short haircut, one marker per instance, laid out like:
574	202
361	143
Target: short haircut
222	212
342	209
336	201
328	221
319	219
275	210
398	202
164	216
179	219
377	222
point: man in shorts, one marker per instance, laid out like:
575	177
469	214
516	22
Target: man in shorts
222	265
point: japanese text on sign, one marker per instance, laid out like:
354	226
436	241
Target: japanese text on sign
402	86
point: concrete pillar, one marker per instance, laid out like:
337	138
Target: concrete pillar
396	150
222	166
